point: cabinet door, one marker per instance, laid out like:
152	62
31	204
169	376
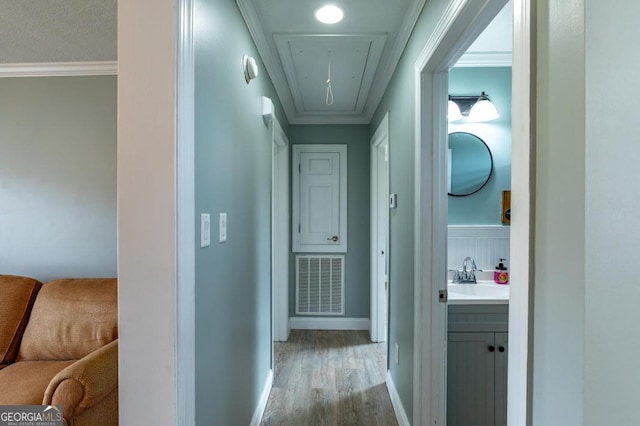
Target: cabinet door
319	198
470	379
502	341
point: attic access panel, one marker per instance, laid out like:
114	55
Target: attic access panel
354	59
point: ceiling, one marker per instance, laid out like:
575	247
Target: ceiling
364	49
44	31
494	45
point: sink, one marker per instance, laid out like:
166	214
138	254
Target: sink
483	292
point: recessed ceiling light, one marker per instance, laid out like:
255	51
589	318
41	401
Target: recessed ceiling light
329	14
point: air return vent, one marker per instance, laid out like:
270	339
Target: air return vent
320	285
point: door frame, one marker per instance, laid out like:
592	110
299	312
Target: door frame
458	27
379	141
280	230
185	223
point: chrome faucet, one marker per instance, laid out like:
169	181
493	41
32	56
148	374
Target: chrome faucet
466	276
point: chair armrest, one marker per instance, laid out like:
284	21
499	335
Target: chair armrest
86	382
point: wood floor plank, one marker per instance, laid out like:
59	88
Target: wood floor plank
329	378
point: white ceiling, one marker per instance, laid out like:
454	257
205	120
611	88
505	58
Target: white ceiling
494	45
37	31
365	48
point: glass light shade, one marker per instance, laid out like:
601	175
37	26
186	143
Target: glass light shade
483	110
329	14
454	111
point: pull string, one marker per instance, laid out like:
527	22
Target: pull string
329	99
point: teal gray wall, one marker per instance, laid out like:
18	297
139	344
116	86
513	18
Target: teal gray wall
357	259
233	176
58	176
484	207
398	101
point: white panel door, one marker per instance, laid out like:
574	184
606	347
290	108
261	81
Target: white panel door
319	198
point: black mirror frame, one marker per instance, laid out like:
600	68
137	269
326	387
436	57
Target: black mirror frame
490	170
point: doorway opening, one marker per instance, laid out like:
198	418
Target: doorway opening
459	27
280	236
380	232
479	159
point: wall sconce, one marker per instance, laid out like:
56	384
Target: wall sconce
250	68
454	111
475	108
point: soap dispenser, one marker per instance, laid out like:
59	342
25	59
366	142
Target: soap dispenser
500	275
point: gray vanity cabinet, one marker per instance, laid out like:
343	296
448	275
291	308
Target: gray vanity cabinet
477	365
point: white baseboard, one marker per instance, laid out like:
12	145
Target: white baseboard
315	323
401	415
262	402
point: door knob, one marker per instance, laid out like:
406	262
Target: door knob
492	348
334	238
501	348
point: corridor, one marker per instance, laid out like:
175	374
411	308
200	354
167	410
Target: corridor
329	378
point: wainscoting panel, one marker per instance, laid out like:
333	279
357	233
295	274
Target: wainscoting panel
485	243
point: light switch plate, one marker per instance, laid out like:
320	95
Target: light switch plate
205	230
223	228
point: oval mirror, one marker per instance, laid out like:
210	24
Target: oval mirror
470	164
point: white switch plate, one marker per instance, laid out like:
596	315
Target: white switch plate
205	230
223	228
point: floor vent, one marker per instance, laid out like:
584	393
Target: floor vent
320	285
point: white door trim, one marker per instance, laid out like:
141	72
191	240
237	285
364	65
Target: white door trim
522	194
280	228
185	217
380	139
461	23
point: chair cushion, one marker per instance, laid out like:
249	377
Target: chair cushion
17	295
70	319
24	383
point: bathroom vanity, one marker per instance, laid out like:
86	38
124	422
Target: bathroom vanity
477	349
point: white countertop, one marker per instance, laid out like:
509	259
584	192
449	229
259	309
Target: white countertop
483	293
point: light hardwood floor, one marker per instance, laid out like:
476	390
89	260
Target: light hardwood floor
329	378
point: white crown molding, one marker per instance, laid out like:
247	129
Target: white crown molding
59	69
268	56
388	67
485	59
330	118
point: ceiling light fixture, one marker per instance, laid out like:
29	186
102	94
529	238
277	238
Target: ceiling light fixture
329	14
